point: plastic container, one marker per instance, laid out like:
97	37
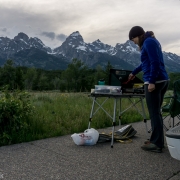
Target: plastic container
104	89
101	82
173	142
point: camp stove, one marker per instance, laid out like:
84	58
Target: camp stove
118	77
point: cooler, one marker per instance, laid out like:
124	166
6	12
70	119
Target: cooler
173	142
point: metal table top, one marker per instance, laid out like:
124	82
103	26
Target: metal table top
116	95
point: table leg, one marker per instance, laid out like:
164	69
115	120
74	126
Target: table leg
120	112
114	122
144	116
91	114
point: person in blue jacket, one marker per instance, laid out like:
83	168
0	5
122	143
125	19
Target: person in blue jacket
155	81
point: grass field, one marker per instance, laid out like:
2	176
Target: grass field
56	114
59	114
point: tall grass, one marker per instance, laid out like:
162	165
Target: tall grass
59	114
54	114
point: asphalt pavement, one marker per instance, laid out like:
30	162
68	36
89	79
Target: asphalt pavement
60	158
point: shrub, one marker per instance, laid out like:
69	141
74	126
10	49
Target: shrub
15	113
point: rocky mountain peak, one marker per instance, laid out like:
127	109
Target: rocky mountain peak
75	34
103	48
97	41
37	40
75	37
123	56
128	46
21	36
4	41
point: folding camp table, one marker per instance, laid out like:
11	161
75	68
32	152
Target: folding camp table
116	97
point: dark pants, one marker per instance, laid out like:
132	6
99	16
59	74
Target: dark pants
154	102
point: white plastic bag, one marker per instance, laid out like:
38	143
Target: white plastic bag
89	137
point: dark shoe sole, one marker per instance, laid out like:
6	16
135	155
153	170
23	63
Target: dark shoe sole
153	150
151	147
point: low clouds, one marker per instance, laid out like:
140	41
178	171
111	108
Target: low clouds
3	29
52	36
61	37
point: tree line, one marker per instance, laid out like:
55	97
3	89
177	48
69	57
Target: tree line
76	78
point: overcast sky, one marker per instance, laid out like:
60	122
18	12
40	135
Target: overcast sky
108	20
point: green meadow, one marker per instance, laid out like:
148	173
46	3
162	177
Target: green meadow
59	114
49	114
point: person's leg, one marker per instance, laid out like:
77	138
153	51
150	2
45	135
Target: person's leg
163	92
154	101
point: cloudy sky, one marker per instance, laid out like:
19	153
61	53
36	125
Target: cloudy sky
108	20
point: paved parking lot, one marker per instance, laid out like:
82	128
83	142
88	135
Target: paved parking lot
60	158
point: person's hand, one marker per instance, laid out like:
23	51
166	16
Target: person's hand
131	77
151	87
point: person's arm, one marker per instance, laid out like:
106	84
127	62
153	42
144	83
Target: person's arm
136	71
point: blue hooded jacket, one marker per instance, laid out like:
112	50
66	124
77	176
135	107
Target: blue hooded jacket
152	63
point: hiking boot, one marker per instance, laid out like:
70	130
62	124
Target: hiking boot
151	147
148	141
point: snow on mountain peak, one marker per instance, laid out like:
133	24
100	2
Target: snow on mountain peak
39	41
83	48
75	37
131	48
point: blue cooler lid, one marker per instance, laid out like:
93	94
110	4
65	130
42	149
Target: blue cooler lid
174	132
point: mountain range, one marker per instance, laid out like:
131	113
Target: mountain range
32	52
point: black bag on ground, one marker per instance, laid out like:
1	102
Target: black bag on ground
125	133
